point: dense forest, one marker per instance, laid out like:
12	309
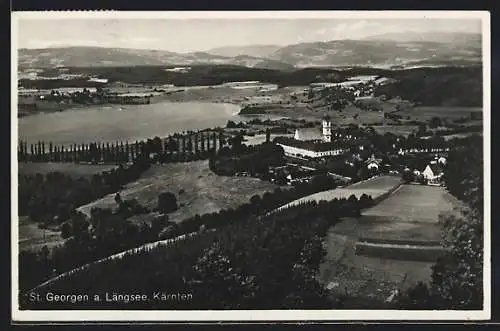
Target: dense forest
437	87
255	160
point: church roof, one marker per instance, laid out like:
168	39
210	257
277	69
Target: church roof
308	134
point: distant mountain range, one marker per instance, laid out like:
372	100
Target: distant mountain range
83	56
263	51
382	50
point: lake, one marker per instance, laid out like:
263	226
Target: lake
125	122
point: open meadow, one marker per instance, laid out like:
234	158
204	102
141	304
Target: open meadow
374	187
197	189
409	216
426	113
261	138
414	204
33	238
343	271
392	245
402	130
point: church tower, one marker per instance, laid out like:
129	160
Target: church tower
327	129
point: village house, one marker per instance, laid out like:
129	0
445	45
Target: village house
98	80
261	100
373	163
433	173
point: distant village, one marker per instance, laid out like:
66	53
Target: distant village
349	155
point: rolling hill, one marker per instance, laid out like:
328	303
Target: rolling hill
384	53
400	49
109	57
471	39
252	50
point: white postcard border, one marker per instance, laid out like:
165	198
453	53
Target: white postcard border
254	315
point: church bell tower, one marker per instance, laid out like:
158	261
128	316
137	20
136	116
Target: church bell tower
327	129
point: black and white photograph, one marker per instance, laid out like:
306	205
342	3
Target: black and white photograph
236	166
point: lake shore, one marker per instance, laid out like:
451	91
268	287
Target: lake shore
183	94
124	122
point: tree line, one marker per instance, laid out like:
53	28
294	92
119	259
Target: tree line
255	160
50	199
183	146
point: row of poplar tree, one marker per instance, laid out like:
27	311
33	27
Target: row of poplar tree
192	144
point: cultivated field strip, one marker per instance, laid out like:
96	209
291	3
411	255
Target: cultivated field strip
376	187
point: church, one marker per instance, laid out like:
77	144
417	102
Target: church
314	143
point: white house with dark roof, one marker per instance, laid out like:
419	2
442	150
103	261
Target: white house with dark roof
373	163
433	173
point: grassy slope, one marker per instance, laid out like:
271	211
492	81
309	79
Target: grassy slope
414	203
33	238
375	187
411	213
204	192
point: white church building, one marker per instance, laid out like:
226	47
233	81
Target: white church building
313	143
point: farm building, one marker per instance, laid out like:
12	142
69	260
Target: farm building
433	173
322	85
363	78
261	100
373	163
98	80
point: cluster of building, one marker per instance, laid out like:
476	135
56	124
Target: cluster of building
61	74
254	101
254	85
360	86
432	173
311	143
314	143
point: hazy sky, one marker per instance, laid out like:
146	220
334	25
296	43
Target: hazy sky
186	35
